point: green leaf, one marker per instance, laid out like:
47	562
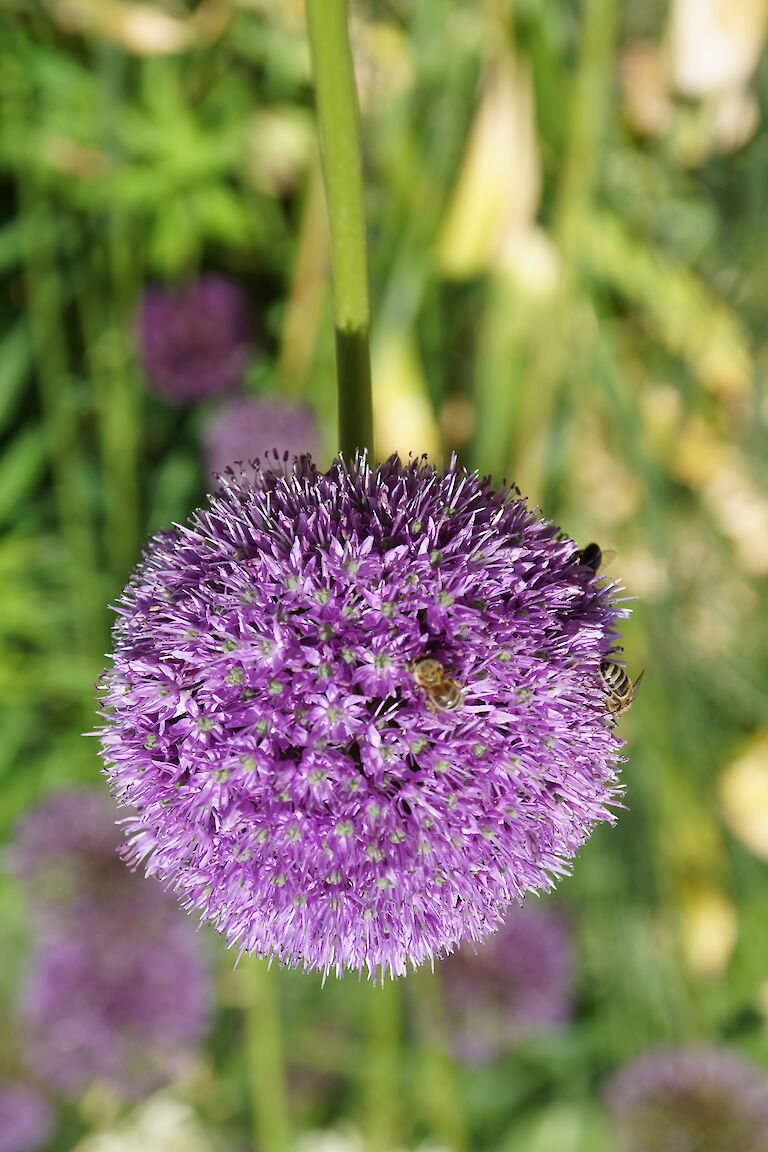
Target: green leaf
21	468
676	306
15	361
11	244
174	239
175	490
222	214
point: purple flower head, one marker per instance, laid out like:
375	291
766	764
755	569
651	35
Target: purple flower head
26	1119
127	1008
65	852
117	989
194	340
293	778
517	983
253	426
692	1099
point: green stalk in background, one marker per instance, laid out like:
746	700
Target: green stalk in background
557	342
120	393
266	1083
381	1070
586	123
339	129
59	409
438	1089
340	150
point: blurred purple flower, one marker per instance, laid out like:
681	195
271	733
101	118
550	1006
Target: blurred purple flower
252	426
291	778
194	340
65	852
117	988
515	984
127	1010
690	1099
26	1119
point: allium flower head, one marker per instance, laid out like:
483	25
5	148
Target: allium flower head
117	987
691	1099
193	340
253	426
26	1119
518	982
291	778
127	1011
65	853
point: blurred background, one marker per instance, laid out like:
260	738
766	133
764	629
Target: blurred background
567	211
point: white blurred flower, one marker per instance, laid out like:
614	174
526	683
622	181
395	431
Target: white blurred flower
333	1140
715	44
141	28
733	119
345	1140
531	258
278	148
163	1123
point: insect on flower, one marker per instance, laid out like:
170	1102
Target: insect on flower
593	556
441	690
619	689
315	823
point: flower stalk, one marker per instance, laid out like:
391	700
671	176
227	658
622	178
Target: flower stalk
340	149
269	1115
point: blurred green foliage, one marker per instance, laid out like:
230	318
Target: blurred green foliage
568	270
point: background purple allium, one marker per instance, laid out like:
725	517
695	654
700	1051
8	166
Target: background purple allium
691	1099
251	426
65	853
117	987
194	340
290	777
516	983
26	1119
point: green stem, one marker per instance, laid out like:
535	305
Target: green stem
439	1090
588	113
381	1069
59	407
339	129
120	408
265	1056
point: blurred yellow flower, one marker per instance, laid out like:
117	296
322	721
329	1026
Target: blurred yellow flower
383	63
743	791
646	98
699	453
403	416
497	189
709	930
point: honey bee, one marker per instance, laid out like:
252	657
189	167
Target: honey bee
619	689
440	689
